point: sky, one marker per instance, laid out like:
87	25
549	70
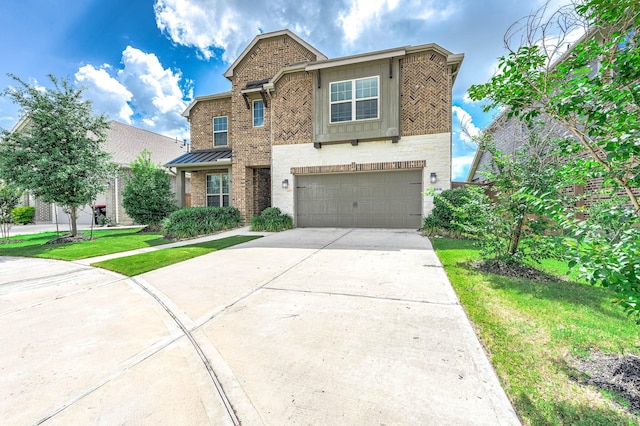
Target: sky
142	62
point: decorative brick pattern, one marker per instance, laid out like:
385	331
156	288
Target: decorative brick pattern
362	167
425	104
201	122
292	109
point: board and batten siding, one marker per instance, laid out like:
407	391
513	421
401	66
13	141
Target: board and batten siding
388	123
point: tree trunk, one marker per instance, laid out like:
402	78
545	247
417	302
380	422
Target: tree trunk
73	216
515	236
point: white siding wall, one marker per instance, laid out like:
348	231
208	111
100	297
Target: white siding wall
434	149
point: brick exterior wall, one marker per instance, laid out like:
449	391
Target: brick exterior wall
252	145
292	109
425	88
201	122
425	124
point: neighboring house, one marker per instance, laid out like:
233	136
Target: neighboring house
124	143
511	133
352	141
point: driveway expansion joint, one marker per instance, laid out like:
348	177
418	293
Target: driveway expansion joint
364	296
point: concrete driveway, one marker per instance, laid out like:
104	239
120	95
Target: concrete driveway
305	327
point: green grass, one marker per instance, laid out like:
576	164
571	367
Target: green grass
145	262
532	329
106	242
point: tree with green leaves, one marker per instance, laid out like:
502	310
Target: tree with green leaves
147	195
590	89
57	155
9	198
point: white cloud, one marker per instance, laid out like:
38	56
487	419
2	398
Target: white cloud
107	94
468	130
157	95
360	15
141	93
218	26
467	99
203	24
460	167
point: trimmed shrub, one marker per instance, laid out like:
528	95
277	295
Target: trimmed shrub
191	222
271	220
23	215
147	195
443	218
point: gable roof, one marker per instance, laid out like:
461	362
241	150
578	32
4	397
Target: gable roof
319	55
197	99
125	143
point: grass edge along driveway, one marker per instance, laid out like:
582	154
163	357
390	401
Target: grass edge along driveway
535	330
144	262
105	242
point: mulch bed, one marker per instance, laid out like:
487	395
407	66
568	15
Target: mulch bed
512	269
619	374
68	239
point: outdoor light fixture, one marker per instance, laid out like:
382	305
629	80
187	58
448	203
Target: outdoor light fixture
434	177
285	183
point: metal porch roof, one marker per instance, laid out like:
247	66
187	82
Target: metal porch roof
203	156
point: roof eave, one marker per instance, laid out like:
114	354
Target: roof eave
215	96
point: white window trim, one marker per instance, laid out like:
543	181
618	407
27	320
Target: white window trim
219	131
353	100
221	194
253	113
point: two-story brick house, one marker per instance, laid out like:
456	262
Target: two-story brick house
352	141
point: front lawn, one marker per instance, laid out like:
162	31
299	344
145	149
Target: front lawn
537	331
106	242
140	263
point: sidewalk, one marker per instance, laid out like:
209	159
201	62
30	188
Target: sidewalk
34	229
51	227
245	230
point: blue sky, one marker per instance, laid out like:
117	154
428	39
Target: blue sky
143	61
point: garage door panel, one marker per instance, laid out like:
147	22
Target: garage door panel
381	199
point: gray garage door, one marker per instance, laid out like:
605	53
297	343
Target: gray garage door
360	200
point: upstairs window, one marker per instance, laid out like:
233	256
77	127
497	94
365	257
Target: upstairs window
354	99
220	131
258	113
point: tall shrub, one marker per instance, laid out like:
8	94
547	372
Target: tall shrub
147	195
